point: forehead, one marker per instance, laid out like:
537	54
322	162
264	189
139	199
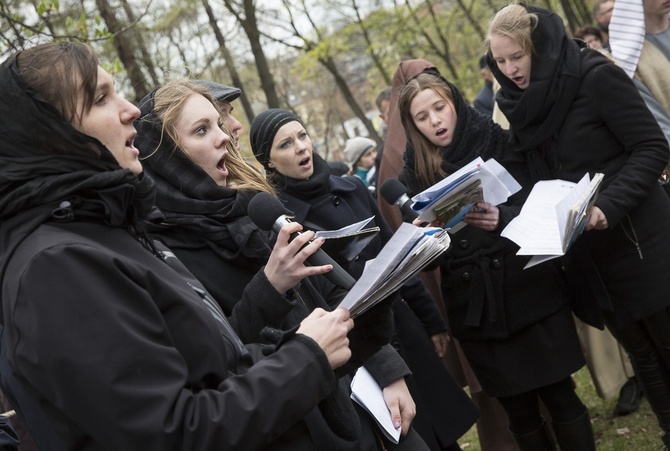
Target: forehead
289	129
425	99
504	46
195	108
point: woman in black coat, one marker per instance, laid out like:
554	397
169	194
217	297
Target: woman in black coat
204	190
514	325
107	341
321	201
572	111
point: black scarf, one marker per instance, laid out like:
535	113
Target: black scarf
197	211
315	186
476	135
537	113
44	161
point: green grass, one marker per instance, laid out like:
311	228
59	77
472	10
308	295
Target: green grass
638	431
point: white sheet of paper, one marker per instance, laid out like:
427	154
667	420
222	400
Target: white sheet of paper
366	392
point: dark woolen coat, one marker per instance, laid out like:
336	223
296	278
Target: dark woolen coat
597	135
444	412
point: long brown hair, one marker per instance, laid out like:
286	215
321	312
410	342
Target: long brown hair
169	101
428	157
61	72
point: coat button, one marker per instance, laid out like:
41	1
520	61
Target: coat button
496	264
463	244
337	201
466	277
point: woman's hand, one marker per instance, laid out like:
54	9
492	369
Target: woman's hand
484	216
329	330
286	265
597	220
440	341
400	404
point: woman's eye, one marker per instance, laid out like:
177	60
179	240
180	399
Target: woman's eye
303	136
439	107
101	100
201	130
285	145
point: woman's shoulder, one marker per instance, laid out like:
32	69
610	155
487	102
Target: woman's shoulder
346	183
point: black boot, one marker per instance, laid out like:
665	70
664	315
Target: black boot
576	435
538	440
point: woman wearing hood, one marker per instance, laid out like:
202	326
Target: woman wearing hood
203	191
591	118
107	341
515	325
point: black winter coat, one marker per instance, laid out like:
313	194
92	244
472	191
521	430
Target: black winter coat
444	412
597	136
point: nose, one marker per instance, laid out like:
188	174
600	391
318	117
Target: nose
129	112
233	124
435	118
222	139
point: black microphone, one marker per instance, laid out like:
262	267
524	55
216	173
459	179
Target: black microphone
395	193
268	213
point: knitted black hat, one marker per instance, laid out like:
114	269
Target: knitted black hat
264	127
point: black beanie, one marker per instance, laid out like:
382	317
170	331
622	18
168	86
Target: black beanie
264	127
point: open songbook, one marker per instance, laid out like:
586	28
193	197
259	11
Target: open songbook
552	217
452	197
408	251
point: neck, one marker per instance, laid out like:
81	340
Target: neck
656	23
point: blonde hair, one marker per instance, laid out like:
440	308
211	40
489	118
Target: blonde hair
169	102
515	22
428	157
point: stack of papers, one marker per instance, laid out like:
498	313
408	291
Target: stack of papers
366	392
409	251
451	198
552	217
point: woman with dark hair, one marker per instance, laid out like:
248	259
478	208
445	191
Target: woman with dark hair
592	119
321	201
514	325
108	342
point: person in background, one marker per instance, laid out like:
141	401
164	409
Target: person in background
602	14
383	102
204	191
323	202
522	351
360	154
108	342
618	265
640	41
224	96
484	101
592	36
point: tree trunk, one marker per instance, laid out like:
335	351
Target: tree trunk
138	36
349	98
230	63
124	49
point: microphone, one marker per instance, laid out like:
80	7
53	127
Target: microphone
395	193
268	213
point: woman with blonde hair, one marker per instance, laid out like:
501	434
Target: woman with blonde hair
572	111
204	190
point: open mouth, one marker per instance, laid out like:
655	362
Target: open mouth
305	161
221	165
441	133
131	141
519	80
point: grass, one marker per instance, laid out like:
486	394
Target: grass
638	431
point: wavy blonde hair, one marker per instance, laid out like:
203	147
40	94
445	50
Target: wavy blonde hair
428	157
169	102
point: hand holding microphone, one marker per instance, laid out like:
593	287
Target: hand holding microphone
268	213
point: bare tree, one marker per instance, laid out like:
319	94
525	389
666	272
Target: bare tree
249	24
230	61
124	48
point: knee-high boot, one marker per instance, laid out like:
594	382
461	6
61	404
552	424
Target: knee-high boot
537	440
575	435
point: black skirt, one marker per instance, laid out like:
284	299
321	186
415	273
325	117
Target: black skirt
541	354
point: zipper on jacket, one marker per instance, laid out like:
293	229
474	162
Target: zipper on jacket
633	239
